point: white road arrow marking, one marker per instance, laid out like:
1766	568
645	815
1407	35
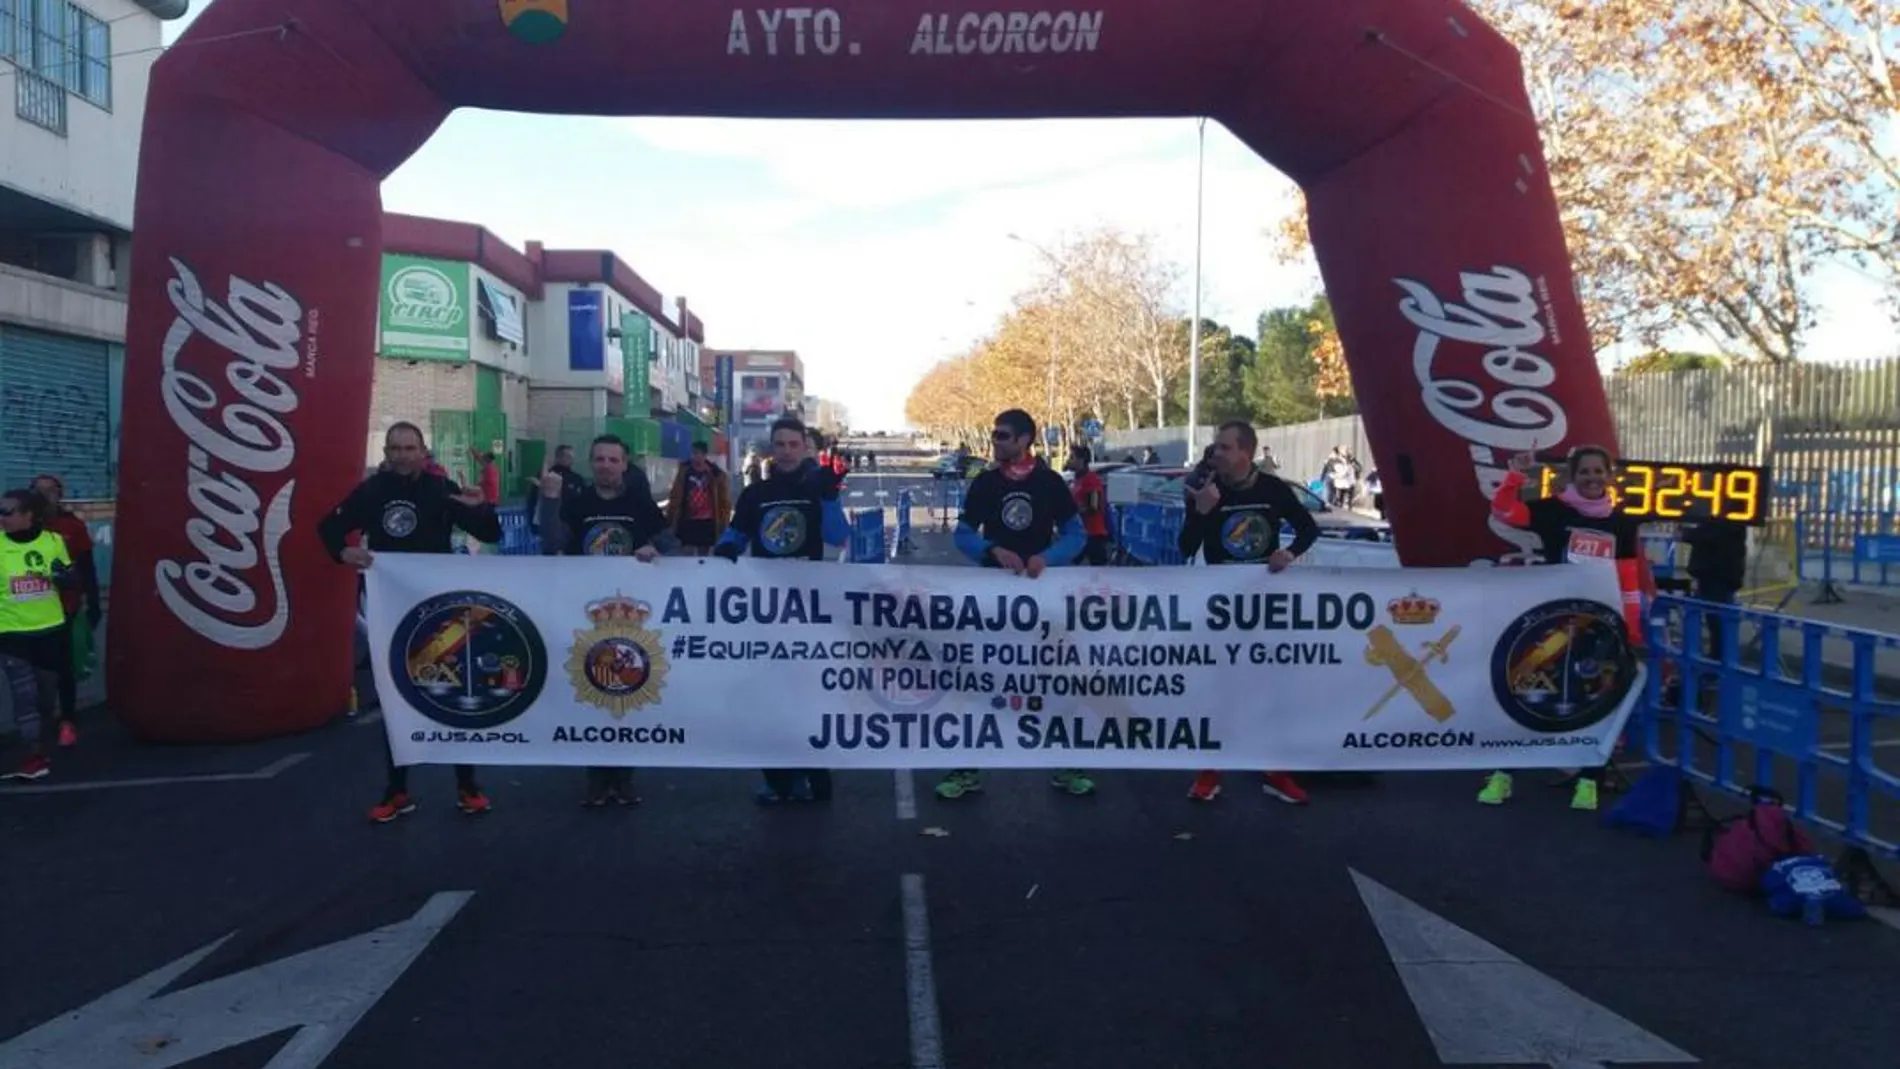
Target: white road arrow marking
1485	1007
322	993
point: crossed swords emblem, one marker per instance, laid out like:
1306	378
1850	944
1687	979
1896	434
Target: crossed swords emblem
1409	672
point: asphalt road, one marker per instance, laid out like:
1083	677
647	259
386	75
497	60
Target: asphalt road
1020	928
1131	929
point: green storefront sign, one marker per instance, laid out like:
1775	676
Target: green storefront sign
636	351
424	310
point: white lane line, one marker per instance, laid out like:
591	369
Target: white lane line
920	976
366	719
1888	917
267	772
906	794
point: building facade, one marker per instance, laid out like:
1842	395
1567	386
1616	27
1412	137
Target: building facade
68	163
830	417
516	352
753	387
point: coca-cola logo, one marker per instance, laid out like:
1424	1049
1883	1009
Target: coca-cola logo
258	331
1511	413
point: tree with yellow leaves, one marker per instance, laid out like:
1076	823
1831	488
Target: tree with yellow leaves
1710	156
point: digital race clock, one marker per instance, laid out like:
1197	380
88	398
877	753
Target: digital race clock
1679	493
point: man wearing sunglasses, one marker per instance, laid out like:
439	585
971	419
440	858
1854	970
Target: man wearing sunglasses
1018	515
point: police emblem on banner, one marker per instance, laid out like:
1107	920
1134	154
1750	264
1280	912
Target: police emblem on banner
783	530
1563	666
1411	666
468	660
617	665
399	519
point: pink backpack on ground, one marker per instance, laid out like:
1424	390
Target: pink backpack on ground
1739	850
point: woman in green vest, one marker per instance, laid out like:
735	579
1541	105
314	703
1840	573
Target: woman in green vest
34	565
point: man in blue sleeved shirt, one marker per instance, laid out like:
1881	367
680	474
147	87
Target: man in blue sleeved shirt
793	513
1018	515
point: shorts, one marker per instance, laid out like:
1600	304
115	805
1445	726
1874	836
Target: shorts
697	533
48	651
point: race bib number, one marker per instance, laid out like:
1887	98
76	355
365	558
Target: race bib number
1592	546
30	588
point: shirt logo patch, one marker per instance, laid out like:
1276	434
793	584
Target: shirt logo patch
1018	512
783	531
399	519
1245	535
608	539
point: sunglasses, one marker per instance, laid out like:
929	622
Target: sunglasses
1004	436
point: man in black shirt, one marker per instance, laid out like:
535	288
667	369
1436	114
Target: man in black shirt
1018	515
1234	518
405	509
616	516
791	513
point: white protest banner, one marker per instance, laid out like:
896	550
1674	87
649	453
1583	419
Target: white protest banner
710	663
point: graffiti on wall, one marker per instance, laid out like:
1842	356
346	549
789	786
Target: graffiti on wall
55	428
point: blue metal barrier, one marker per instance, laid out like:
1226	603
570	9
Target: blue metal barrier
1147	532
516	539
1663	550
905	546
1725	710
1860	547
867	536
949	502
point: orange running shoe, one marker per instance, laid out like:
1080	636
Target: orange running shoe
396	805
1206	787
1282	786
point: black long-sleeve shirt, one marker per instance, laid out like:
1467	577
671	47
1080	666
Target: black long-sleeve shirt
1244	528
585	524
788	515
1552	520
406	514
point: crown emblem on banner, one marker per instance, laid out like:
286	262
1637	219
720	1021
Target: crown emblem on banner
619	610
1413	608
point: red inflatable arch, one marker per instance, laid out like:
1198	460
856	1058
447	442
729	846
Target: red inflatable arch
255	270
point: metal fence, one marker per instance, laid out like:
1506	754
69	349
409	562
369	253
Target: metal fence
1830	432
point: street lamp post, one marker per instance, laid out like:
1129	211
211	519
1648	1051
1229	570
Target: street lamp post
1194	328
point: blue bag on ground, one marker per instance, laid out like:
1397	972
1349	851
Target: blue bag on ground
1652	805
1805	886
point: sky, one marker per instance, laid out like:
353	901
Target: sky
877	249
